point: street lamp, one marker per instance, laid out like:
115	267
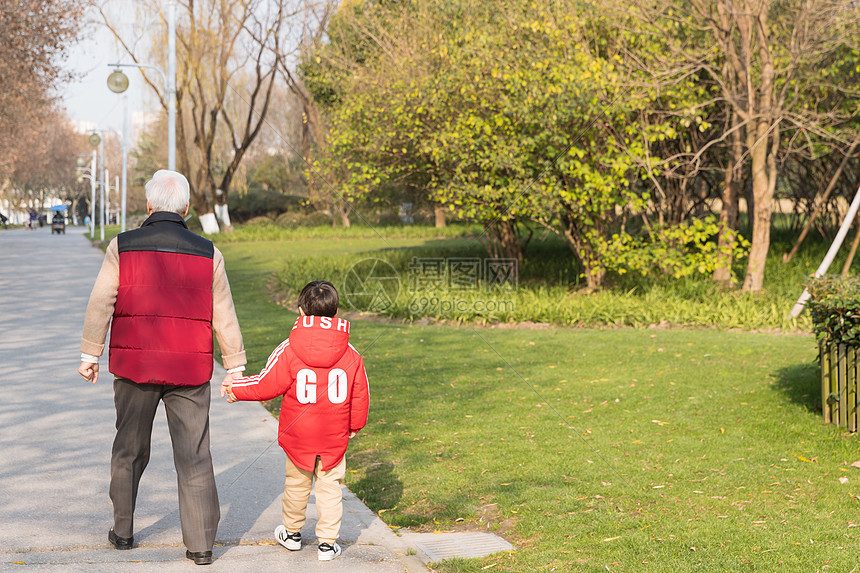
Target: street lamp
118	83
90	173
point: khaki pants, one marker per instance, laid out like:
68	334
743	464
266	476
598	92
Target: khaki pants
297	489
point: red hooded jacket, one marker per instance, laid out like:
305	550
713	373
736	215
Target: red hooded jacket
324	385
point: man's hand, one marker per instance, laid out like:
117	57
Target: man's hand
89	370
226	386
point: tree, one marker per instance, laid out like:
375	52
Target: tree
506	112
225	80
48	169
780	70
34	37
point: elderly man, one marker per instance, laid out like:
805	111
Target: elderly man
164	290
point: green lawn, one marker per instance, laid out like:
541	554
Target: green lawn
590	450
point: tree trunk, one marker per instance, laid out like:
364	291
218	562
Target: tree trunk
729	210
204	213
764	185
439	214
592	268
341	211
502	240
508	240
222	212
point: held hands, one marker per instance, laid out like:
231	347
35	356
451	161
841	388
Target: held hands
89	370
227	385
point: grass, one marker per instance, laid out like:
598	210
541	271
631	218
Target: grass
610	448
547	290
591	450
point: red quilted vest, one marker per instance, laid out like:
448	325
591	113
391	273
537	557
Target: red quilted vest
162	324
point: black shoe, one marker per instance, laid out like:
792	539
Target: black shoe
120	542
200	557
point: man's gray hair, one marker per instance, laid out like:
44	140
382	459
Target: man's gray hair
168	191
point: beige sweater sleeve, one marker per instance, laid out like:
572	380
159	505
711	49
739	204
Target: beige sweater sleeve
102	300
224	320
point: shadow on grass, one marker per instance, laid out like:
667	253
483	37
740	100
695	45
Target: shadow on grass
800	384
379	487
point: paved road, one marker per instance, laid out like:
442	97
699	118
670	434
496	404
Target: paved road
56	432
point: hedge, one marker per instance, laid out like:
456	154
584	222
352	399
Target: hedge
835	308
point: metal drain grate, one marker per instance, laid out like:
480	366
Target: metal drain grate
447	545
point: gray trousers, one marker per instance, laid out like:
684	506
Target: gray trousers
187	410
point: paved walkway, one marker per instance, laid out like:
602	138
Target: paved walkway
56	432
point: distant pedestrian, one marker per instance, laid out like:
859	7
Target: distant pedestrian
325	402
4	219
34	219
163	290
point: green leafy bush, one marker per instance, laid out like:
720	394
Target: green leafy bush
678	251
835	307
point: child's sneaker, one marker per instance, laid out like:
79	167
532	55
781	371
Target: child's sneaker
328	551
292	541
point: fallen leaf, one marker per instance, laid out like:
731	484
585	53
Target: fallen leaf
843	480
660	423
856	464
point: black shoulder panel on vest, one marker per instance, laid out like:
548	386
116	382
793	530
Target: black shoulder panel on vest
164	233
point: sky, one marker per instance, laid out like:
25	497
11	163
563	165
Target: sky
87	99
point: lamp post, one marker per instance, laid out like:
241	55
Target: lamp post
102	183
90	173
105	200
171	85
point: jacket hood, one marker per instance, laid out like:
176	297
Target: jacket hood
319	341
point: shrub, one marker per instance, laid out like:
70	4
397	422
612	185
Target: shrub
259	221
317	219
292	219
255	203
835	307
678	251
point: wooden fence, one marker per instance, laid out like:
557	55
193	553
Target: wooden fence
839	369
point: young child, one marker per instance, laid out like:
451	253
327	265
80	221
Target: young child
326	397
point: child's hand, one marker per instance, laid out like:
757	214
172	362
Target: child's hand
227	389
352	434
